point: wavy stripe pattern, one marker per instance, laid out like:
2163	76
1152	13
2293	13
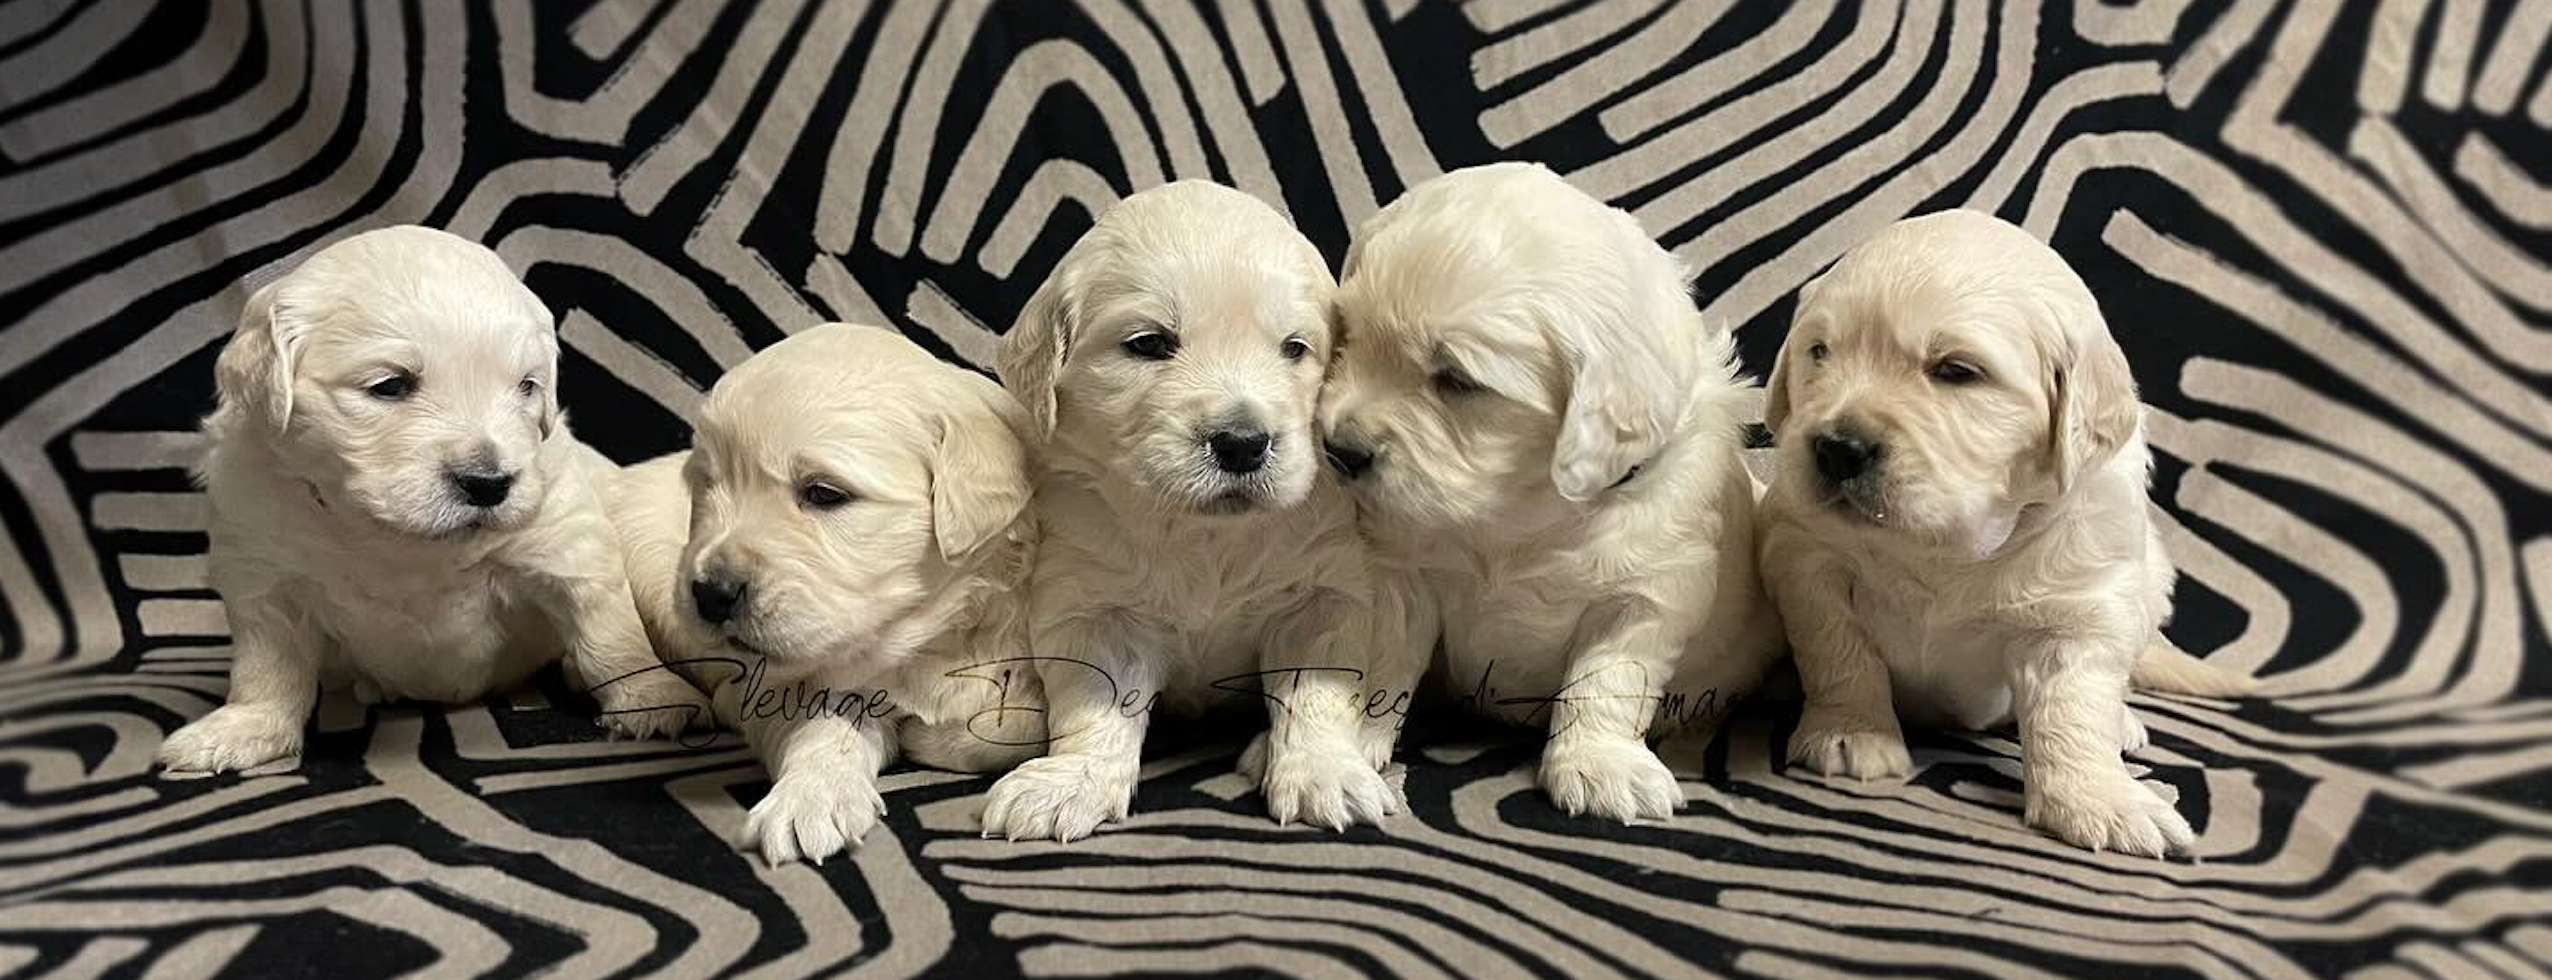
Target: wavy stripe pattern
2324	232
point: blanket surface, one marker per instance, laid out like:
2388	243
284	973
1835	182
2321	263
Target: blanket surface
2323	232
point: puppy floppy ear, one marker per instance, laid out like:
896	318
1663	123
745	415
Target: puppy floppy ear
1776	389
552	416
1625	396
978	479
1039	343
1629	362
2092	404
256	369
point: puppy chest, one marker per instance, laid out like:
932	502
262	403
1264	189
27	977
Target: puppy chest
1514	636
450	646
1946	671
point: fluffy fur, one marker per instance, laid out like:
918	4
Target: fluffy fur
1973	549
366	398
1192	310
1546	434
869	501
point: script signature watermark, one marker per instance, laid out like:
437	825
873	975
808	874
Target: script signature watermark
1281	688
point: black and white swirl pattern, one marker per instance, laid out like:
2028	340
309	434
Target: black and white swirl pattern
2323	231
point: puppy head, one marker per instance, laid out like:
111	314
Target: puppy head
1506	343
406	374
839	480
1181	344
1943	375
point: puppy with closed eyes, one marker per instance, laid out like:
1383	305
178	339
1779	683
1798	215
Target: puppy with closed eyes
1190	549
844	538
397	504
1957	533
1543	431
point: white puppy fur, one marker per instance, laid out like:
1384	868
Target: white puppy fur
1188	538
397	504
838	554
1547	434
1957	531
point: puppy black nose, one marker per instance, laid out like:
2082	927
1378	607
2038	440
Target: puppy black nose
1349	461
1841	456
716	596
483	488
1240	450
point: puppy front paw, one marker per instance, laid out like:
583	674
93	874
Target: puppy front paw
653	705
232	738
1837	747
2110	812
1617	778
813	815
1253	762
1059	797
2132	736
1326	788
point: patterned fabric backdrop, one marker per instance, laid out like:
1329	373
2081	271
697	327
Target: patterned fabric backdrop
2323	232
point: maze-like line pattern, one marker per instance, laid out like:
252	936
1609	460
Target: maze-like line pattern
2322	232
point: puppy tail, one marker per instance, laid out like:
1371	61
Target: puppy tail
2171	670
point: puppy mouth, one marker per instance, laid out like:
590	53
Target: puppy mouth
460	531
1230	502
1219	494
1861	500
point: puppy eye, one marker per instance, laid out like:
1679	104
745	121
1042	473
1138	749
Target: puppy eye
819	495
1296	348
530	386
1453	382
1151	345
1955	372
393	388
1817	352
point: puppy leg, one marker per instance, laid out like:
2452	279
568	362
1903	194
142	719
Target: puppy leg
1314	683
2069	696
2133	738
1102	681
608	653
1598	760
823	796
986	718
1848	726
274	682
1406	623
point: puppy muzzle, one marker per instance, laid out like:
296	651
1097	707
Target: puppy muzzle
1850	465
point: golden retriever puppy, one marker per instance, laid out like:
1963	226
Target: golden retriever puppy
1545	432
1957	530
838	552
397	504
1191	549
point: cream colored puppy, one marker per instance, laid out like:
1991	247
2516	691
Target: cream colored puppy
397	504
1546	432
838	553
1191	550
1957	532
